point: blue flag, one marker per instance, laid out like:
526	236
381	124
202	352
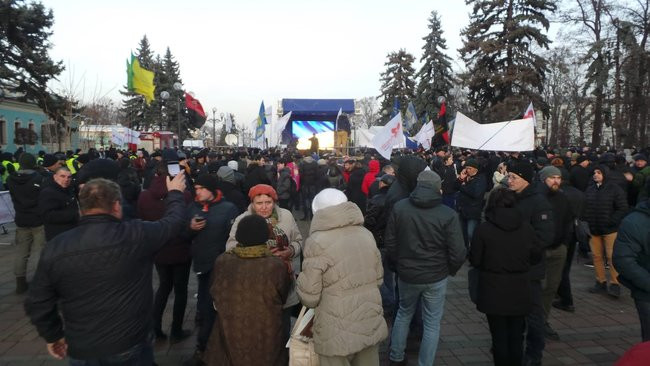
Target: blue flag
261	123
411	118
396	106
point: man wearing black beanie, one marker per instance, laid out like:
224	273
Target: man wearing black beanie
535	209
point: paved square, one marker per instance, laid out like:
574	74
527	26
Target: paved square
598	333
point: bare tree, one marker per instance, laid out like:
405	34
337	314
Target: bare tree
369	112
591	17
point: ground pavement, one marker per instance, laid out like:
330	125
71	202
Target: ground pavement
600	331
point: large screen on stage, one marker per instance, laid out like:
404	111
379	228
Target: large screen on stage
304	130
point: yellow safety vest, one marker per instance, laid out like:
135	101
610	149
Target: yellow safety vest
5	175
70	165
39	161
16	166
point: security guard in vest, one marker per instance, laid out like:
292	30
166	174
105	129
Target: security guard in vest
8	165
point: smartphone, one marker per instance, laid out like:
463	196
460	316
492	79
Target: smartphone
199	218
173	168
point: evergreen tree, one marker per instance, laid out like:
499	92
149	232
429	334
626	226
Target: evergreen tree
435	77
25	64
504	73
169	75
138	114
397	82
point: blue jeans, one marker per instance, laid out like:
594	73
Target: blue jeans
433	301
387	289
140	354
468	226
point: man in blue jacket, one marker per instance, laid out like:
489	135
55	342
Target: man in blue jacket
91	297
632	260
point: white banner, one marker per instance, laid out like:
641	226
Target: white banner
391	134
117	137
516	135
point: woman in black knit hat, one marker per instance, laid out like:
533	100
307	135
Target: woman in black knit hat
249	287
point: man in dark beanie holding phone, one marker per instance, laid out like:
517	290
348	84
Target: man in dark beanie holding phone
211	220
536	210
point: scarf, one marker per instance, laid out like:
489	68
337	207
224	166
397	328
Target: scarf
256	251
206	205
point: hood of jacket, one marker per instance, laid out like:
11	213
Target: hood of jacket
425	195
341	215
373	167
505	218
23	176
408	170
603	169
308	159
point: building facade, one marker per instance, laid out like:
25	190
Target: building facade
15	115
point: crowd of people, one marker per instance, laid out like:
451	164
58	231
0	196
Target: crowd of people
384	237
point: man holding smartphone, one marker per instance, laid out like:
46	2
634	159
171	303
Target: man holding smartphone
100	271
210	223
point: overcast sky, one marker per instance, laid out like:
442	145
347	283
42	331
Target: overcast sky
235	54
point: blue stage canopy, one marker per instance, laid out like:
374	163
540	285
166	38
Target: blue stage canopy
317	107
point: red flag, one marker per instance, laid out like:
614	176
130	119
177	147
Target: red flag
195	111
441	137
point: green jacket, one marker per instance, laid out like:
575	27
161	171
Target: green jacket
639	182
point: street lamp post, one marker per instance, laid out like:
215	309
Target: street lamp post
164	95
214	128
178	87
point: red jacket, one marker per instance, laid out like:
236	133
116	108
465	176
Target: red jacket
369	178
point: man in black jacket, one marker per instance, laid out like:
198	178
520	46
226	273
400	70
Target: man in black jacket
555	254
576	200
308	181
24	188
100	273
537	210
424	240
211	219
581	173
58	204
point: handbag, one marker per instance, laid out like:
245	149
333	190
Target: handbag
301	348
472	283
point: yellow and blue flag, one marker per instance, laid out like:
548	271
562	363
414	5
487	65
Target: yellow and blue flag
261	123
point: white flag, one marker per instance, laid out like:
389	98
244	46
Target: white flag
228	123
530	113
425	135
279	127
391	134
336	122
